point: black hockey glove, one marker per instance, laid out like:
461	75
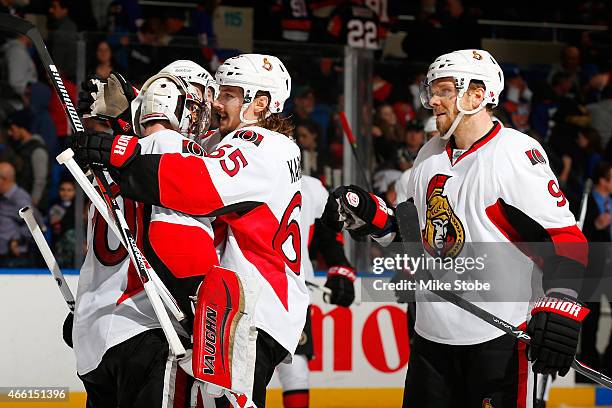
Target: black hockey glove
361	213
99	149
109	100
554	329
67	329
340	279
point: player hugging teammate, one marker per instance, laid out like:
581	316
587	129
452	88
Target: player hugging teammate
250	310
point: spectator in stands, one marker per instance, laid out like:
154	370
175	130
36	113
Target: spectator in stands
104	60
32	158
597	231
14	234
20	72
304	104
517	106
61	220
413	141
590	153
547	104
142	54
601	116
460	29
36	99
182	40
307	134
571	64
62	37
387	133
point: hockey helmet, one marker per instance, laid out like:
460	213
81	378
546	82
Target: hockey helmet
256	72
465	66
172	98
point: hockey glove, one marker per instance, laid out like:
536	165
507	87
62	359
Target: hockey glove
67	329
99	149
554	329
340	279
109	100
362	213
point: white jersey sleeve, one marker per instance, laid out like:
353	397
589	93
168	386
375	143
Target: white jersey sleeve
531	199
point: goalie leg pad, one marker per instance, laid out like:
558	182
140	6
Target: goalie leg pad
224	343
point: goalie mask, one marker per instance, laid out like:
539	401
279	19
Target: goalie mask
464	67
253	73
197	76
171	98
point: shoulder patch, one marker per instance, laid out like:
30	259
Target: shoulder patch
249	136
191	147
535	156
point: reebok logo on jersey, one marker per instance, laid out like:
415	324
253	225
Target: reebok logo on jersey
210	336
535	156
567	308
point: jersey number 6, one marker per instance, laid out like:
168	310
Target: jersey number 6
290	229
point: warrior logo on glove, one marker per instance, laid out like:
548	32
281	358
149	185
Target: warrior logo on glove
443	235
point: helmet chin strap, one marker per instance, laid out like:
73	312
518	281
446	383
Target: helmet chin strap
460	115
243	121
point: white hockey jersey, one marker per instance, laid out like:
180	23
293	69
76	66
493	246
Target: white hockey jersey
251	183
499	190
314	198
111	306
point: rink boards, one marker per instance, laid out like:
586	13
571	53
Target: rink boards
362	352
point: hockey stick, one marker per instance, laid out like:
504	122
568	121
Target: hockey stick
26	28
28	216
353	143
66	159
588	186
408	222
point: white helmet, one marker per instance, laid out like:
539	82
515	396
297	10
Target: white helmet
196	74
256	72
171	98
192	73
465	66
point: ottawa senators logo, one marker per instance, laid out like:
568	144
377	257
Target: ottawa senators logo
486	403
443	235
267	65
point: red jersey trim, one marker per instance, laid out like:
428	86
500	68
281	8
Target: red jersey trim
173	244
254	233
477	144
193	177
570	243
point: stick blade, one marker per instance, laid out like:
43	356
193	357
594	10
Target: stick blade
408	222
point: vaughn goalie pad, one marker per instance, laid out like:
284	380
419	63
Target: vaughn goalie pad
224	339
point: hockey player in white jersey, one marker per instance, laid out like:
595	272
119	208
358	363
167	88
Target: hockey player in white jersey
294	377
479	182
251	183
122	355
